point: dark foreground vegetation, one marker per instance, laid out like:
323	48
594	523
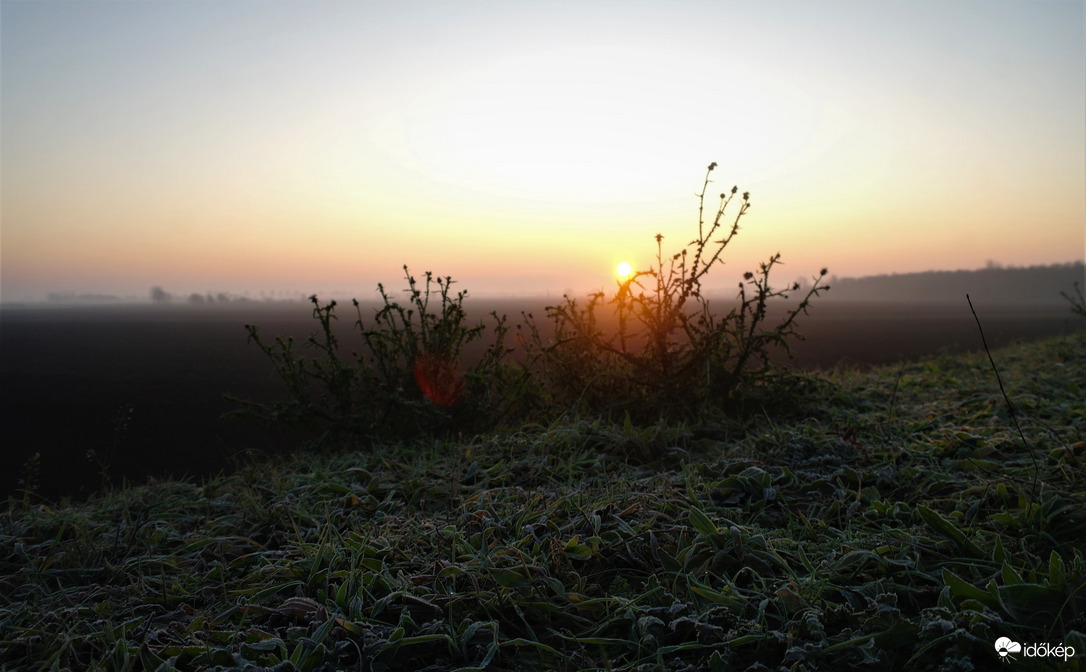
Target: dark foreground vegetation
894	520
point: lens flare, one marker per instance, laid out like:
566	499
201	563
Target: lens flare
439	379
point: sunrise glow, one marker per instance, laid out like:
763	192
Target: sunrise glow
624	270
282	148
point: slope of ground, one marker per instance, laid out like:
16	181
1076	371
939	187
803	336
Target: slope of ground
896	520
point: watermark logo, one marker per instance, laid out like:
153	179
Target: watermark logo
1006	647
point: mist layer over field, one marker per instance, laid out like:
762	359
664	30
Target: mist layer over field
139	390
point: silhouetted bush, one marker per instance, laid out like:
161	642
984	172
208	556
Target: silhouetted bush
407	378
656	348
653	350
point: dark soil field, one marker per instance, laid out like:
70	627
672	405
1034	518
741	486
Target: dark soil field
138	391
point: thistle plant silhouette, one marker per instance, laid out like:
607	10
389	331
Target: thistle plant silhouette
1078	303
670	353
407	378
653	350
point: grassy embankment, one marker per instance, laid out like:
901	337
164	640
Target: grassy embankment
896	522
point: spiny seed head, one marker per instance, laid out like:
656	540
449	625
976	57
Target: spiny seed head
746	195
712	166
824	271
748	275
735	189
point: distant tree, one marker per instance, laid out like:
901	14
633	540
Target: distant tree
222	298
196	299
159	295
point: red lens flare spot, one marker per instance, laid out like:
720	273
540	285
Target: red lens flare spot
439	379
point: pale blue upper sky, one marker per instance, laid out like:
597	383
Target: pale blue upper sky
311	146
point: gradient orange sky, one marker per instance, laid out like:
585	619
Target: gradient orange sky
299	147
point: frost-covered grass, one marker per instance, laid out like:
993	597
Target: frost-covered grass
893	521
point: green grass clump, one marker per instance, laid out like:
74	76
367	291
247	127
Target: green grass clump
898	525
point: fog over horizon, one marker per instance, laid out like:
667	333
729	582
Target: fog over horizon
1018	284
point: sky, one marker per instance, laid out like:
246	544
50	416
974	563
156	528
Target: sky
282	148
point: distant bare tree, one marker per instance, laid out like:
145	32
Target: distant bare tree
159	295
196	299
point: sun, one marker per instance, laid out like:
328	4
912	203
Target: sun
624	270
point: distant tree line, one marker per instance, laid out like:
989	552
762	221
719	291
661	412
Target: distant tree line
995	283
160	295
72	297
